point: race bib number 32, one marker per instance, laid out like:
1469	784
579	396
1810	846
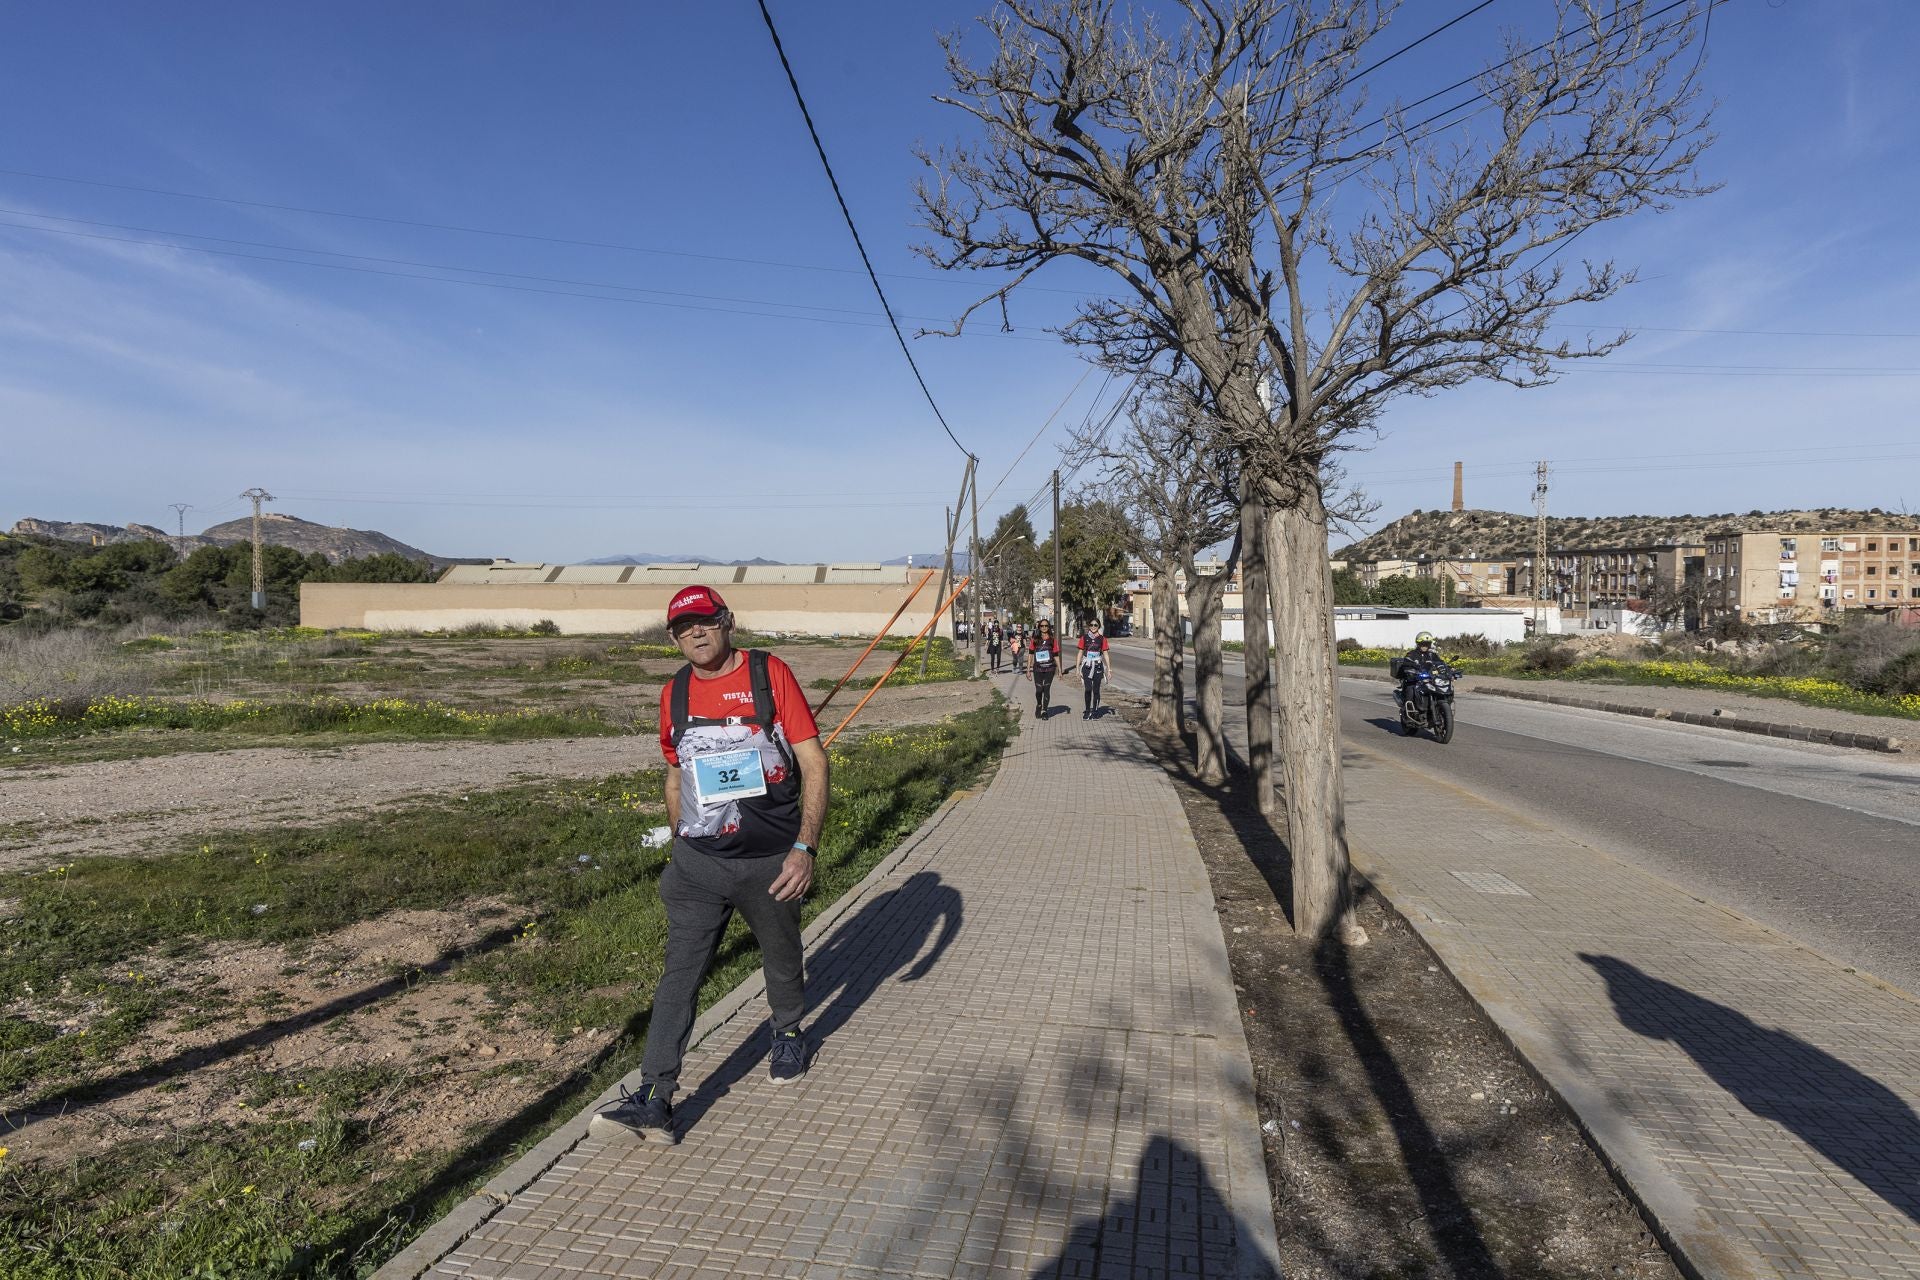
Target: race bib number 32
728	775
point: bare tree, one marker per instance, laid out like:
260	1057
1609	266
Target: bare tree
1261	229
1173	484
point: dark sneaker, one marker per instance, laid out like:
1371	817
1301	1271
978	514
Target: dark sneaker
788	1061
645	1114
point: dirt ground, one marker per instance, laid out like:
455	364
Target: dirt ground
53	813
1404	1137
443	1057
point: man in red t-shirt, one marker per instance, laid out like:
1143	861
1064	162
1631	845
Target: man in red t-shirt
746	792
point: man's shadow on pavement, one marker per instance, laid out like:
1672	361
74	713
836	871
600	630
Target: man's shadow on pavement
1845	1115
1175	1223
845	971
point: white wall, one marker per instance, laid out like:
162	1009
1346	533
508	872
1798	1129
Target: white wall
1398	633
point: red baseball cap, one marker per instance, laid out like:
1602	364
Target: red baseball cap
695	602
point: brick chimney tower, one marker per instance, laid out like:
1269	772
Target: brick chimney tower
1459	489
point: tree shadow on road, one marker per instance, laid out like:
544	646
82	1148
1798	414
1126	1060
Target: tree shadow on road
1844	1114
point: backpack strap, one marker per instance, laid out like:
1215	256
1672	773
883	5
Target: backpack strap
763	708
677	702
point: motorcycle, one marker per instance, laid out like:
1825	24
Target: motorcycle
1426	700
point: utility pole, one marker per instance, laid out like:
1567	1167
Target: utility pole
259	496
1540	548
946	570
180	510
1056	552
973	568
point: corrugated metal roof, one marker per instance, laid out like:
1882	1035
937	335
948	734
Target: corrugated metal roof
677	574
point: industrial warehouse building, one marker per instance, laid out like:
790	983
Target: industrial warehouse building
603	599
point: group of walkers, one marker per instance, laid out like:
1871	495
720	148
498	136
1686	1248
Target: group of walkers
1037	651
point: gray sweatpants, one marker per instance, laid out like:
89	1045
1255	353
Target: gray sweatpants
701	893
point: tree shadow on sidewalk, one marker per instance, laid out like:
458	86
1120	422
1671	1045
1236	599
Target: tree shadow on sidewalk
1451	1228
1174	1224
845	971
1839	1111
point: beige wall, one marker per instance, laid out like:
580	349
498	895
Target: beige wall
598	609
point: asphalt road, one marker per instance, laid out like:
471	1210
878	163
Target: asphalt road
1820	843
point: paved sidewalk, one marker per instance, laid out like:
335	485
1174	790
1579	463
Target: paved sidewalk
1029	1063
1762	1101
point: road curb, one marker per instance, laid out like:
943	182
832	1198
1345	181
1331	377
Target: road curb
451	1231
1711	720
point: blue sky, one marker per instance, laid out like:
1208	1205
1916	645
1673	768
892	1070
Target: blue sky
683	407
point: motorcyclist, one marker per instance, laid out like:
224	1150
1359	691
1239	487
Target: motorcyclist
1422	657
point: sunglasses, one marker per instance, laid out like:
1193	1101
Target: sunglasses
687	626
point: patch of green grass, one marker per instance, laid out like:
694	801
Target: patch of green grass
211	1202
942	667
247	1200
378	717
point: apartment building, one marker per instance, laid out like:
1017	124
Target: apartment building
1801	576
1471	578
1139	579
1370	572
1611	577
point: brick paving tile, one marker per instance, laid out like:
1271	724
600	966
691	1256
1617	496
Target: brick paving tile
1763	1102
1028	1063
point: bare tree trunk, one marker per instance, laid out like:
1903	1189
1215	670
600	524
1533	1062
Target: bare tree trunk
1167	714
1204	596
1259	653
1301	588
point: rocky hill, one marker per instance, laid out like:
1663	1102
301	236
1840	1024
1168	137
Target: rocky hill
304	536
1506	535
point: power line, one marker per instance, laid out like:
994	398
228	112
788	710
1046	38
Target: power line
495	232
1849	334
1483	466
1544	45
1409	48
611	497
571	505
1035	438
1431	124
431	266
847	213
480	284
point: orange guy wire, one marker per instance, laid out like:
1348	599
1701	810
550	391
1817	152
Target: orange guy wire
904	654
931	575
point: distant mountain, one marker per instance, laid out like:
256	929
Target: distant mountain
276	529
91	534
932	560
648	557
1507	535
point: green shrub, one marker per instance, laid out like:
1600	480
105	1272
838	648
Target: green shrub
546	627
1545	658
1471	645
